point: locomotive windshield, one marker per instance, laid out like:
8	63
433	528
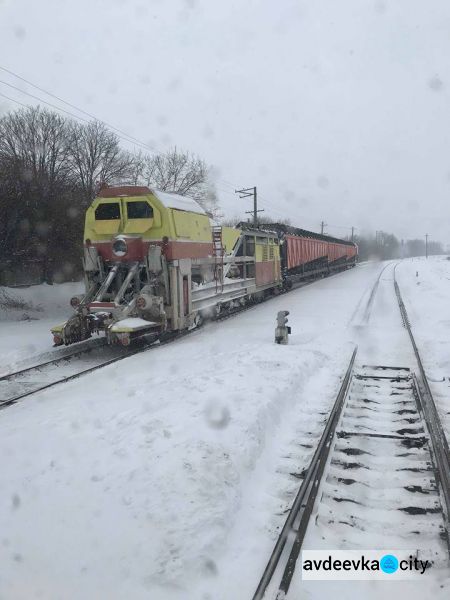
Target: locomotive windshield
107	211
139	210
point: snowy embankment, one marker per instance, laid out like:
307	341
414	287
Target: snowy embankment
27	315
425	286
166	475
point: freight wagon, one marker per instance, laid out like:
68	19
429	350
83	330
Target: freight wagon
305	254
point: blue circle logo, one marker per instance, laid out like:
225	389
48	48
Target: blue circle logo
389	563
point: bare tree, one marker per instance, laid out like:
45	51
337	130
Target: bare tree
181	173
33	171
35	140
96	158
138	162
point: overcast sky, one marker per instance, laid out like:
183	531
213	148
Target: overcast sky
336	109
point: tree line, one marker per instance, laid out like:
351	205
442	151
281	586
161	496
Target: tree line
384	246
51	168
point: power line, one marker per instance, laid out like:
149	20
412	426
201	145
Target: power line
44	101
274	209
128	138
49	93
77	108
12	100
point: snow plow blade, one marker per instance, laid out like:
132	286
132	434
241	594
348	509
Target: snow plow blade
127	330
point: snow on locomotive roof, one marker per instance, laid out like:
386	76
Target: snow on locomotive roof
179	202
169	199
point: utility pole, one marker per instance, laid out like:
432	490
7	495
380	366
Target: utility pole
353	233
426	245
248	193
322	225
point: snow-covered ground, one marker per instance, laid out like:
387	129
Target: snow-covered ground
425	285
167	475
25	324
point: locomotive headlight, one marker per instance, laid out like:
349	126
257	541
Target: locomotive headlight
119	247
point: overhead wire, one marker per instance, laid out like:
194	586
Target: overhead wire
77	108
128	139
13	100
121	134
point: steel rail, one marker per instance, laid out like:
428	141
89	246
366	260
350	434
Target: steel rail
14	399
440	448
99	343
304	501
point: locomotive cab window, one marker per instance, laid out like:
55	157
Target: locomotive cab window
250	246
107	211
139	210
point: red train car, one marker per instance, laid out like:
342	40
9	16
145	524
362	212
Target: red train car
304	252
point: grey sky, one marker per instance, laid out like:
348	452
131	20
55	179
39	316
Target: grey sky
337	110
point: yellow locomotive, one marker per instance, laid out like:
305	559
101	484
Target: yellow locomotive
153	263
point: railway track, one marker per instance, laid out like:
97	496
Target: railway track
29	380
16	385
380	472
68	365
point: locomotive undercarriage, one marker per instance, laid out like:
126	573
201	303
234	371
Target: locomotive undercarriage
131	293
128	300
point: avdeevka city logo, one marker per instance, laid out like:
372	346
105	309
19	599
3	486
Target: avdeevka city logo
389	563
362	564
